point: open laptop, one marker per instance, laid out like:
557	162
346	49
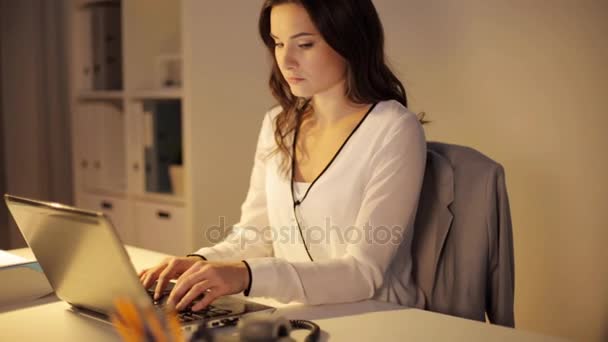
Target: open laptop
88	266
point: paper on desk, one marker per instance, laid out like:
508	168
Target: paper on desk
8	259
21	280
22	283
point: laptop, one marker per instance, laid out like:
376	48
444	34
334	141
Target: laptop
88	267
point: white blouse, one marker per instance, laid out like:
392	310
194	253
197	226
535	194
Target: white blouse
356	222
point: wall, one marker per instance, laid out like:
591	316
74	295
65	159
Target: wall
525	82
227	70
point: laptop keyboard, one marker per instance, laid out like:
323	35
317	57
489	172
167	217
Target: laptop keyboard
187	315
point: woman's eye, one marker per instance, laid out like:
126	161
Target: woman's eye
279	45
306	46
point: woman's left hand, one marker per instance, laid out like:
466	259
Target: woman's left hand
213	278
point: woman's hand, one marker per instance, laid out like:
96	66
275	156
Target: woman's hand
170	268
214	279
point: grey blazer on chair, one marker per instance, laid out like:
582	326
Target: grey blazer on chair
463	242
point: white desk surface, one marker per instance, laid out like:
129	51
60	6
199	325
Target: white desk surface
51	320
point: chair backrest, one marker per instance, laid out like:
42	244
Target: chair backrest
463	244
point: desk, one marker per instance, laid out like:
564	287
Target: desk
50	319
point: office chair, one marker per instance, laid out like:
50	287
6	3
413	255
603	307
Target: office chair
463	242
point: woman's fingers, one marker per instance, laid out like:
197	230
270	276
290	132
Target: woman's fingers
176	269
152	274
222	278
142	275
169	269
165	275
209	297
145	280
192	268
149	275
194	292
192	276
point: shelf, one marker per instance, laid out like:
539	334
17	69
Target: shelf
161	198
101	95
104	192
87	3
156	94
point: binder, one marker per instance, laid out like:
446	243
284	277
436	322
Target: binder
107	49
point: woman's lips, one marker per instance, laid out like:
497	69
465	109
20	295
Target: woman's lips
294	79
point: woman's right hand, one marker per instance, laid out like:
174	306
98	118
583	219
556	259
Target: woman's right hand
168	269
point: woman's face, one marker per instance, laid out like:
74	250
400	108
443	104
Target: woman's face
308	64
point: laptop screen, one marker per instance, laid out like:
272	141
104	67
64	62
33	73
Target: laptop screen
80	253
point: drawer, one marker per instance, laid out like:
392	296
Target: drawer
117	209
162	228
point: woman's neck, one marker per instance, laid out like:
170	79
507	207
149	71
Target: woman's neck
332	106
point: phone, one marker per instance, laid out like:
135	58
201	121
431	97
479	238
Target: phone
260	327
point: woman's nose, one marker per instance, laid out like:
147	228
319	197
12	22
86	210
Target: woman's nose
288	60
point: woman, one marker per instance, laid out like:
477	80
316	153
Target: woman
335	223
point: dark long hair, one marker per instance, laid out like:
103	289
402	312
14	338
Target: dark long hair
353	29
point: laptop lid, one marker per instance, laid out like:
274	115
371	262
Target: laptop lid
79	252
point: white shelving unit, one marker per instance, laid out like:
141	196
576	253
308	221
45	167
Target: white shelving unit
128	121
208	73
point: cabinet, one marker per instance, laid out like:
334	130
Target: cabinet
117	209
156	223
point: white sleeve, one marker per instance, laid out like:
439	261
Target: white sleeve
390	200
247	238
